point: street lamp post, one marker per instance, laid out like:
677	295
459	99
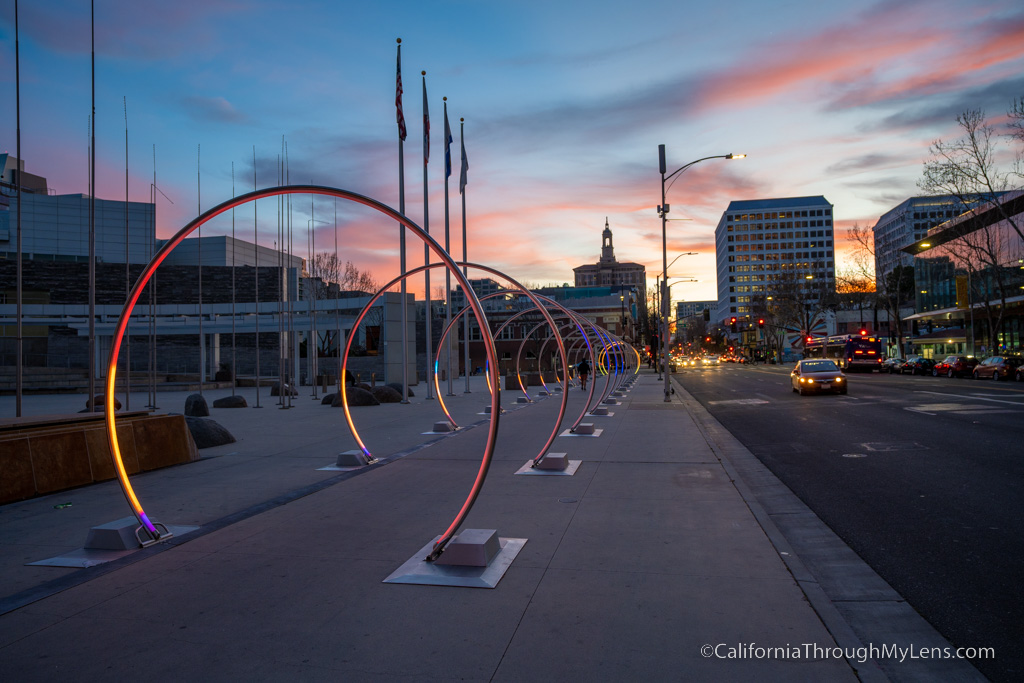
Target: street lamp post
663	210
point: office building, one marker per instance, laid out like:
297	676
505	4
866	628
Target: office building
910	222
761	243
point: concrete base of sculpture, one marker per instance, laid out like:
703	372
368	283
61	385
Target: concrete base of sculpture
111	541
523	399
610	402
585	430
417	570
353	458
570	468
599	410
443	427
471	548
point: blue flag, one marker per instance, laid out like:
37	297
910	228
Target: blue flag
447	144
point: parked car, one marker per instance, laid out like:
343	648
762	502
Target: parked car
998	367
816	375
892	365
917	365
955	366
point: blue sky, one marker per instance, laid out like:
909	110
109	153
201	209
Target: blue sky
564	106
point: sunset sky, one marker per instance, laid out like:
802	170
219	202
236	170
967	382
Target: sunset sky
564	112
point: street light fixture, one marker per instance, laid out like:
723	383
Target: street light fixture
663	210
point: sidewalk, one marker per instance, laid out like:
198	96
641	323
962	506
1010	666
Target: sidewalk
659	545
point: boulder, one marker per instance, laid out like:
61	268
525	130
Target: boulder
356	397
328	399
387	394
208	433
397	386
364	386
195	406
98	401
231	402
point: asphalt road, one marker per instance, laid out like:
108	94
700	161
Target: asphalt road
923	477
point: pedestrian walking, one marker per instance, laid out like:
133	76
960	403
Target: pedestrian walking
584	369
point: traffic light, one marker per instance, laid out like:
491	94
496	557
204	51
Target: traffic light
760	322
732	323
863	333
707	314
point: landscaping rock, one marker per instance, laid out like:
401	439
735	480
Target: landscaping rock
231	402
329	399
208	433
364	386
397	386
195	406
387	394
356	397
98	401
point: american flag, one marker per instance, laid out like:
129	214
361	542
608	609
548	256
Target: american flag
398	97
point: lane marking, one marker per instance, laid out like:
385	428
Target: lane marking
738	401
1019	403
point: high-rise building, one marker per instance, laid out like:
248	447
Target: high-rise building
762	241
609	272
910	222
688	309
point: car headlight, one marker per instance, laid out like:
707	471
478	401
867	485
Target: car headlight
839	379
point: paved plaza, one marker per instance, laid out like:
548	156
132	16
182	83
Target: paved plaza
670	554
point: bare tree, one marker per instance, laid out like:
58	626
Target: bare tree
967	169
792	306
329	278
892	291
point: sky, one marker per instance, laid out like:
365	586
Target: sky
564	111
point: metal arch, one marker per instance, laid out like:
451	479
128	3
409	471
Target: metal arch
171	244
451	325
475	305
536	300
575	319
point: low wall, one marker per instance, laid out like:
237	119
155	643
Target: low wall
43	455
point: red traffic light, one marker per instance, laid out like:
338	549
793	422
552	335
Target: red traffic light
732	320
760	322
863	333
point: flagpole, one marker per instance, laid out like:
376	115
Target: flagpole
401	228
447	248
426	249
465	255
92	218
19	377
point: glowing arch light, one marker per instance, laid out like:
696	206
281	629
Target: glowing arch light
153	531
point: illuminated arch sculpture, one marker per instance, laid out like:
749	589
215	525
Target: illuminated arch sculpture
148	532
